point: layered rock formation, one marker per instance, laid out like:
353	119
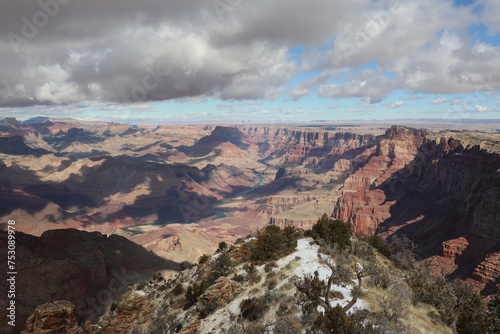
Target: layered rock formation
318	148
305	224
442	191
88	269
55	317
362	204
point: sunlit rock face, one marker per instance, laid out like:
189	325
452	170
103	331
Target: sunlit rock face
180	190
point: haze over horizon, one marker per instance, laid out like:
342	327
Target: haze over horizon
250	61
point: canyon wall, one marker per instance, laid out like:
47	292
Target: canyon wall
440	190
89	269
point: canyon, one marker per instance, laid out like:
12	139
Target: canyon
180	190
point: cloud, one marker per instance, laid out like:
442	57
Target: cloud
333	106
367	84
395	104
439	100
368	106
124	51
464	111
481	109
491	15
123	107
415	97
459	102
250	103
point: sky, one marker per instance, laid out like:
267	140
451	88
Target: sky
171	61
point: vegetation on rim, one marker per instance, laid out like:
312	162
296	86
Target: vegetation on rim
227	291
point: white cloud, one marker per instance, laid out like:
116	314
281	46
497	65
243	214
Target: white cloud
395	104
481	109
367	85
439	100
154	50
491	15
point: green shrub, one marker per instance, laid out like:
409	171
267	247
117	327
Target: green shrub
272	284
270	275
456	303
254	278
337	321
269	266
288	325
402	252
494	314
379	244
313	288
178	289
193	292
273	243
334	320
252	309
203	259
332	231
186	265
222	266
113	307
222	247
239	278
249	268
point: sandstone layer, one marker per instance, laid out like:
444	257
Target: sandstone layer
440	190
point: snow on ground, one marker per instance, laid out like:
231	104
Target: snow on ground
140	292
307	250
307	263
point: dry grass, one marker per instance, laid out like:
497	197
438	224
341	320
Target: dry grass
416	319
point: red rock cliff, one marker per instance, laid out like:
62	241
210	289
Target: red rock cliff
442	191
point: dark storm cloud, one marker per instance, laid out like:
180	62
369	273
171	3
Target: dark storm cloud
61	51
65	51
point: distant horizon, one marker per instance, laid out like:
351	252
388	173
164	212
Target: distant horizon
487	125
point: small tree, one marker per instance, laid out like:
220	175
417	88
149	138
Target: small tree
273	243
203	259
402	252
222	266
222	247
333	231
178	289
334	320
393	303
314	288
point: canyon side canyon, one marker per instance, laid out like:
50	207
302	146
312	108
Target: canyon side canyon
180	190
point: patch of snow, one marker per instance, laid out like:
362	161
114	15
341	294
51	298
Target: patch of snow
309	263
140	292
306	265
